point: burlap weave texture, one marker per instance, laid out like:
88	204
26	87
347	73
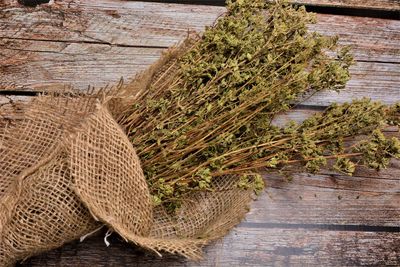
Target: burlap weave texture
66	168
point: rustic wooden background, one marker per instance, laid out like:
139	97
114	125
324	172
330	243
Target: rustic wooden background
314	220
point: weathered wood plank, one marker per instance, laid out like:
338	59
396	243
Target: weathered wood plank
38	65
79	45
107	21
330	199
162	25
255	245
378	81
372	39
53	65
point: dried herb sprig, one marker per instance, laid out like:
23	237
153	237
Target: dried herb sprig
208	112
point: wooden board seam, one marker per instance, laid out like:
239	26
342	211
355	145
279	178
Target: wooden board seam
98	42
328	227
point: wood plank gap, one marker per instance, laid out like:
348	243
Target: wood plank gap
377	61
28	92
356	11
328	227
34	92
99	42
311	107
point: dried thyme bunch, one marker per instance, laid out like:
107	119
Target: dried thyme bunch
208	113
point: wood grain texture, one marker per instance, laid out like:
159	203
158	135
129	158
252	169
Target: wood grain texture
86	48
53	65
331	199
98	42
163	25
258	245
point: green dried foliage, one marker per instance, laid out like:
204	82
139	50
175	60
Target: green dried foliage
377	150
209	113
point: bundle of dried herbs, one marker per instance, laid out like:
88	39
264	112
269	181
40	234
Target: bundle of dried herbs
209	111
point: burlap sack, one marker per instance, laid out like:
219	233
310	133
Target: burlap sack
67	167
39	210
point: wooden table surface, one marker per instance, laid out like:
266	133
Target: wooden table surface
313	220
